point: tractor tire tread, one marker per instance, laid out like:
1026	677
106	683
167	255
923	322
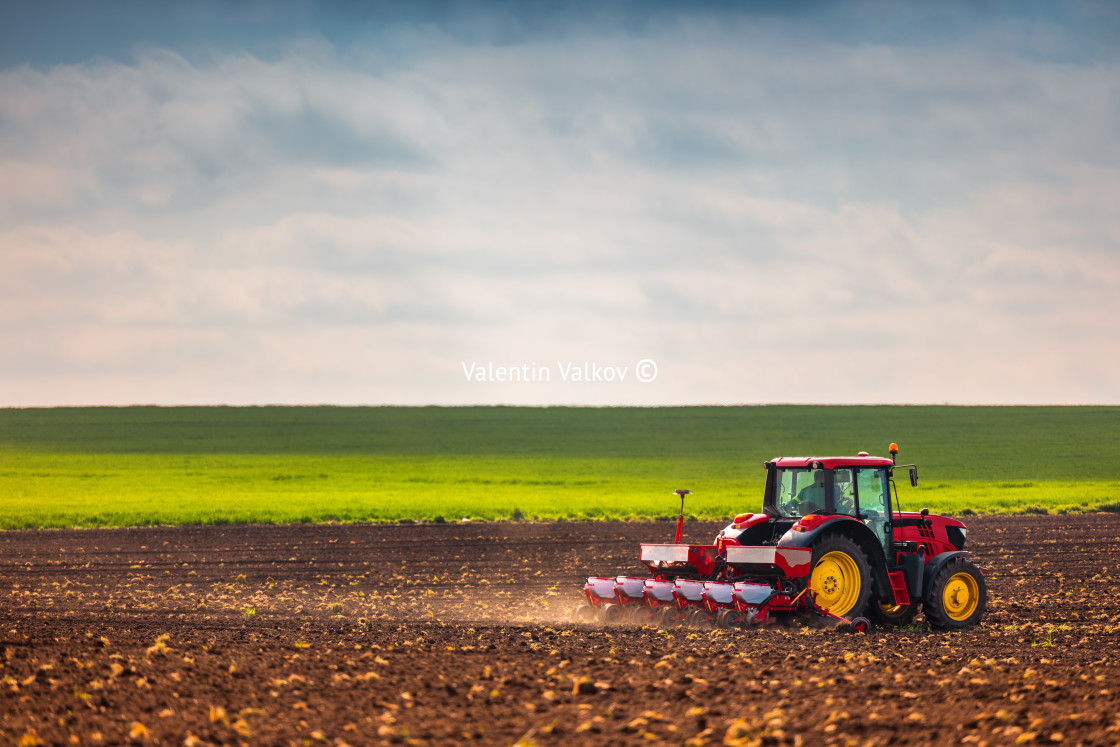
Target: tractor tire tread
881	619
935	611
839	542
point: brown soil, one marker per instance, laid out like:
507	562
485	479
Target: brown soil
446	633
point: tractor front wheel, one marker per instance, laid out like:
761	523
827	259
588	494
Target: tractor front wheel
957	596
841	579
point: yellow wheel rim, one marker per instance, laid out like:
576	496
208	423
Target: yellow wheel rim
835	582
893	611
960	596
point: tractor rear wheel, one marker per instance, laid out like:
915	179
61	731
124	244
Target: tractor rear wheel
886	613
957	596
841	579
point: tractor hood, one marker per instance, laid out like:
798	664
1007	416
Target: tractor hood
945	521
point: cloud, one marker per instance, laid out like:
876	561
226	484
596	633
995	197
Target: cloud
771	212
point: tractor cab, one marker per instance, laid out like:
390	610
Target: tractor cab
857	487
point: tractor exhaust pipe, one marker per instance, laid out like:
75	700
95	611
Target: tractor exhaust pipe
680	518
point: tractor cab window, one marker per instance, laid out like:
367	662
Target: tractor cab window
874	501
844	492
800	491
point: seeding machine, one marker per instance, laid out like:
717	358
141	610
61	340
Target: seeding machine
828	546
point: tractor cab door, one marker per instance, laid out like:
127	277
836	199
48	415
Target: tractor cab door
873	498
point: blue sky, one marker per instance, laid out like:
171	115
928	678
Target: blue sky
351	203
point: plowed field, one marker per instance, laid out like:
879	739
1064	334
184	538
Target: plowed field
436	634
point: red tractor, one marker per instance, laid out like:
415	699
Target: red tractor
828	544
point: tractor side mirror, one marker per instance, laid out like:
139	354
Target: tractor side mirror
913	477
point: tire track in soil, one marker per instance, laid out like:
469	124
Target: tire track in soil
431	634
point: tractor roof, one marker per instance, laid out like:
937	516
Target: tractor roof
832	462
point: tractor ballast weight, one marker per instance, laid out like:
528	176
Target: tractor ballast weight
831	543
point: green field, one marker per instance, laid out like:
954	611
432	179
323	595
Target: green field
69	467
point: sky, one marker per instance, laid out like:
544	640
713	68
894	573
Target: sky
538	203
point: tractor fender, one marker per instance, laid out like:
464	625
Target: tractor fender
855	530
936	563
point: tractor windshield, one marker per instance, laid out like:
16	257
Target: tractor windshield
799	491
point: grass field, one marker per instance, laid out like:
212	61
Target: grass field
147	465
